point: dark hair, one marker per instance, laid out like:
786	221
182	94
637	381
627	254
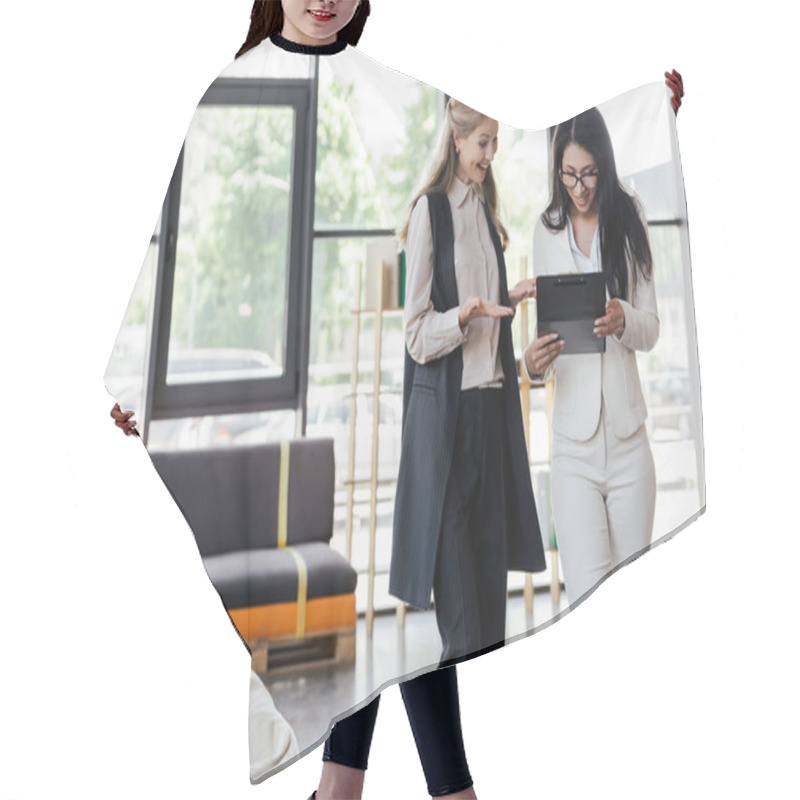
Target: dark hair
622	232
266	19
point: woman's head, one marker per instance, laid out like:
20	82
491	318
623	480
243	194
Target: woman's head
584	181
582	150
466	149
475	148
306	21
467	144
579	176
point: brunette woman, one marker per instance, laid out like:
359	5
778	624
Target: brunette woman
603	486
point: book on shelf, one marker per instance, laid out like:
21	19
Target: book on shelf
382	254
401	293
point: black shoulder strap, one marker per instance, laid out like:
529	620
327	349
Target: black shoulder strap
444	289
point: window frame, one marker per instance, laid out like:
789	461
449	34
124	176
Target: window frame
172	401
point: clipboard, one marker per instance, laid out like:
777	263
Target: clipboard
568	305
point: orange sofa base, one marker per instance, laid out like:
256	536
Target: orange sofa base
279	620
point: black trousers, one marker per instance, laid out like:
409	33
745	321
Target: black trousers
431	702
469	590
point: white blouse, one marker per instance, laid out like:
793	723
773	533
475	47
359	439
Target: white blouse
431	334
584	263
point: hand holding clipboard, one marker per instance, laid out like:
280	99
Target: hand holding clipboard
613	323
573	306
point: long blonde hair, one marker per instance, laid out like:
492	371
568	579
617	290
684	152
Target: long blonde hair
441	171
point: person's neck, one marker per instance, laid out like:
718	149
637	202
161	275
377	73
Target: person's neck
463	177
295	35
589	217
316	49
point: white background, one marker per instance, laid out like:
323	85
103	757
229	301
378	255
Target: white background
121	677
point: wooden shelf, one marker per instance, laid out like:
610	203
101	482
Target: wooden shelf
375	392
525	385
373	481
370	312
368	481
369	392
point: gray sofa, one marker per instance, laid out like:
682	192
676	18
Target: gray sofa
295	597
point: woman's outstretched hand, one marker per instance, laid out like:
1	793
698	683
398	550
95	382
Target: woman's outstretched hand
474	307
675	83
524	289
124	420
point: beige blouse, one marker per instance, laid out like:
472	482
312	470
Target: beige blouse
431	334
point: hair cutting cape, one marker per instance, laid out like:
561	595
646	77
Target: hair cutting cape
262	353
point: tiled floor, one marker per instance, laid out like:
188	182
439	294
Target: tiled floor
310	698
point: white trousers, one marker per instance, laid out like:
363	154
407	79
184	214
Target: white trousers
603	493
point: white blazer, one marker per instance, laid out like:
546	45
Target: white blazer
582	381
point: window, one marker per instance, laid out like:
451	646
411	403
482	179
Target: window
375	132
231	277
669	373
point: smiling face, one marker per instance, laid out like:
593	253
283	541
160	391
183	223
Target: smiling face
476	151
316	22
579	162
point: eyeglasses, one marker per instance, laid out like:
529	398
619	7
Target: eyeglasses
571	180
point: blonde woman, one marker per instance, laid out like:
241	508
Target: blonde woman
464	509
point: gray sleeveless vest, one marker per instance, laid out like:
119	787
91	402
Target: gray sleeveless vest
431	395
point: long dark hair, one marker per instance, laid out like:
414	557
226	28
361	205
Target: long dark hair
622	232
266	19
